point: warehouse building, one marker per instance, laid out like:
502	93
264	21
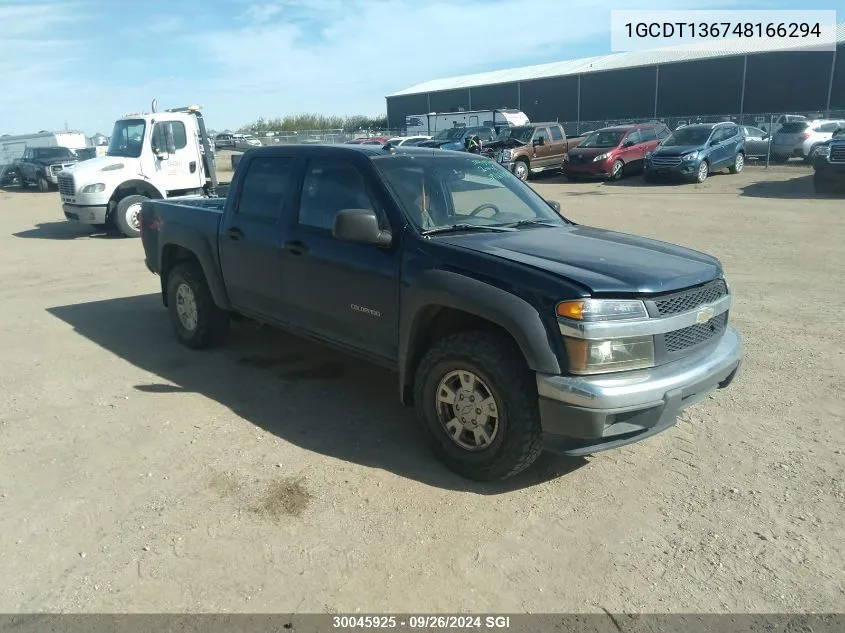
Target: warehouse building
746	81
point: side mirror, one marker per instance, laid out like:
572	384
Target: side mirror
162	155
765	136
628	143
554	204
361	227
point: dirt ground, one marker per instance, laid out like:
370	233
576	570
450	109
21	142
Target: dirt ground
273	475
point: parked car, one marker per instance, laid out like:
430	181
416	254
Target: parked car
407	141
779	122
801	138
756	141
532	149
40	166
613	151
695	151
511	328
224	141
829	164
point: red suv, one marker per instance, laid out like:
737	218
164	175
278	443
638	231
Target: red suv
612	152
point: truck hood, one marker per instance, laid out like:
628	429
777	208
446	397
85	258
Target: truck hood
99	162
55	161
604	261
679	150
508	142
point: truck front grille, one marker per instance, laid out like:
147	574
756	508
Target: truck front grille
66	185
665	161
837	154
695	334
687	300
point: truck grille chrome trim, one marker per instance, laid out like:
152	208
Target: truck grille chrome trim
66	185
653	326
695	334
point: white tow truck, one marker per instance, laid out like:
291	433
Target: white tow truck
151	156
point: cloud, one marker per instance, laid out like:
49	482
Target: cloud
343	56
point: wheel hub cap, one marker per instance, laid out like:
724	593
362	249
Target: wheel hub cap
186	307
133	216
467	410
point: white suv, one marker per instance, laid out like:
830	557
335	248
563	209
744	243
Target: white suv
802	138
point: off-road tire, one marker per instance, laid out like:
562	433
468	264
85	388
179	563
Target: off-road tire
501	365
121	221
212	322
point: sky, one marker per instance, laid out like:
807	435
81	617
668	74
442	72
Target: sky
81	64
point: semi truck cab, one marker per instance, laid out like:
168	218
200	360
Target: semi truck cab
151	156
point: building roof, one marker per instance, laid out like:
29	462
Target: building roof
615	61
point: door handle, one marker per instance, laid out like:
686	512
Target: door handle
234	234
296	247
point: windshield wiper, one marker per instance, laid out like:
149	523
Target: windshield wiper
533	221
454	228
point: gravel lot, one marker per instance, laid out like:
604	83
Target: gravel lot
276	476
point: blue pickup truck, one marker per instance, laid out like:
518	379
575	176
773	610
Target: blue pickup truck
511	328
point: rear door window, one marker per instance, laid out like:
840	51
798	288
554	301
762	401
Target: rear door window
556	133
648	134
266	185
794	127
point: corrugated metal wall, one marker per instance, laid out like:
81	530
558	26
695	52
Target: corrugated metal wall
774	82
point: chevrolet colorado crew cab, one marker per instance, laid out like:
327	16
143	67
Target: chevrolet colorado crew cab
511	328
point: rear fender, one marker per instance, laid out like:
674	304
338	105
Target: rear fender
178	237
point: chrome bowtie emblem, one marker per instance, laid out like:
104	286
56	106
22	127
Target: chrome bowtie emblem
704	315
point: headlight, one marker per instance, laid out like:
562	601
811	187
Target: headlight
648	155
691	156
601	157
823	151
96	188
507	154
600	357
602	309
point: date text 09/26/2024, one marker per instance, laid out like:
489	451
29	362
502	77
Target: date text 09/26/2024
423	622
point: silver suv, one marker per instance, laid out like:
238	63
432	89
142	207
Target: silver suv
803	138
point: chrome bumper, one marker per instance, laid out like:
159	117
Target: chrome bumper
586	414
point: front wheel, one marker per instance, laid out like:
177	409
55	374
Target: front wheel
520	170
477	401
43	185
196	319
703	172
127	215
617	170
739	163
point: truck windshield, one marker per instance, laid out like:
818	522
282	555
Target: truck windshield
607	138
521	133
52	152
442	191
688	136
127	138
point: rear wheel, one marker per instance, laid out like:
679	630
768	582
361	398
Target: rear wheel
196	319
739	163
520	170
477	401
127	215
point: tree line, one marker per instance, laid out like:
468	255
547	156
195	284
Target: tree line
302	122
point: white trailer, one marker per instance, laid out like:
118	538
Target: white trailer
433	122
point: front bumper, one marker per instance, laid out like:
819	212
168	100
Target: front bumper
86	214
686	169
599	169
581	415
